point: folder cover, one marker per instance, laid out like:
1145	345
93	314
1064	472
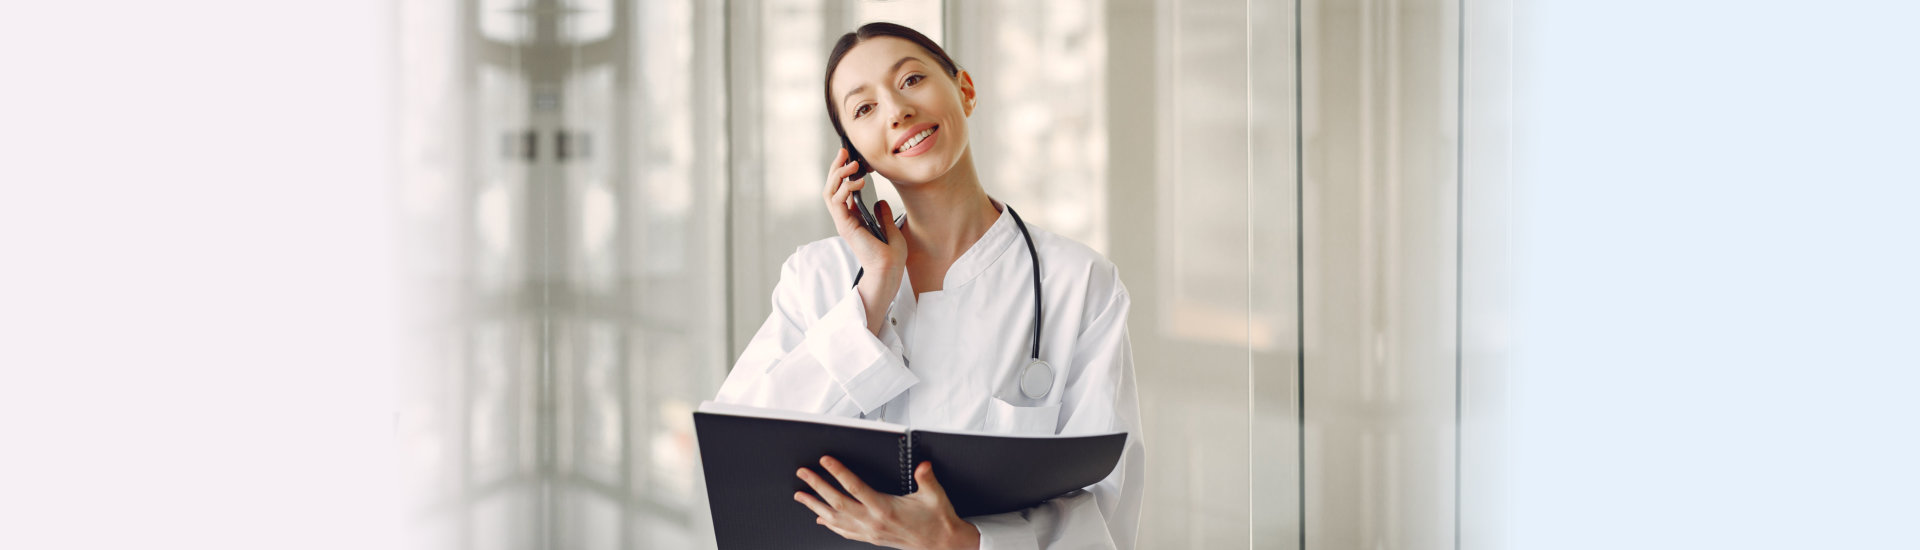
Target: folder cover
750	454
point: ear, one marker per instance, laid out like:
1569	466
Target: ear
966	91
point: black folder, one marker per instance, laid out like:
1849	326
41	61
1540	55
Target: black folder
750	455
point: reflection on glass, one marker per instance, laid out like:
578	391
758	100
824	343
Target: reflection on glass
500	204
594	523
1040	131
597	422
792	117
500	521
503	21
585	236
593	217
495	416
591	20
1378	305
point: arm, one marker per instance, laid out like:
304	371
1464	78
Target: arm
830	364
1101	398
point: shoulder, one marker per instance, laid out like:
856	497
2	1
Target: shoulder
815	277
1065	256
1087	277
825	258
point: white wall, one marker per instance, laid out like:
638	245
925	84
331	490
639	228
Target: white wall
197	331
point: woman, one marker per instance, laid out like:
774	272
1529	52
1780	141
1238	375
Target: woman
937	332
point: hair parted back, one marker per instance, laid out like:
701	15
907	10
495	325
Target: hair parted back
876	30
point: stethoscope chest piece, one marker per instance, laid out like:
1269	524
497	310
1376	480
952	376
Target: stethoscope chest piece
1036	379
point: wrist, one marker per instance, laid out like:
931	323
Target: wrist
877	289
876	293
885	276
961	534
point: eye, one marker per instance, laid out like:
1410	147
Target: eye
913	79
861	110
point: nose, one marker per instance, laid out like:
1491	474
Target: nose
901	115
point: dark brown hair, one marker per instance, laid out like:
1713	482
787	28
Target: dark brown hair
865	32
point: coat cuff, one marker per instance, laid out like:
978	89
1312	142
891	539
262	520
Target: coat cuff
868	371
1009	531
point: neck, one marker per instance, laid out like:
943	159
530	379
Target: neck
947	215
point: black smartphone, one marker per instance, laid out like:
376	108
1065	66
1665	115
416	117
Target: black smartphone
866	195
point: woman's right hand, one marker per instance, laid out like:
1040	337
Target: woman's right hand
885	262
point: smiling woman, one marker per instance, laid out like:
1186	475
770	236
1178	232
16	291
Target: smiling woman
949	293
900	68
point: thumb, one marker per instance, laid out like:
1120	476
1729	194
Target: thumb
924	476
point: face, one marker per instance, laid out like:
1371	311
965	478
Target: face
901	110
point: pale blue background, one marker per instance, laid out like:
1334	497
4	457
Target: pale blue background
1717	246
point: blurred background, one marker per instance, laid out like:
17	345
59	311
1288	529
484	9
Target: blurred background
452	274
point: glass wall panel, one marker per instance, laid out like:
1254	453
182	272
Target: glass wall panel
1379	261
1040	69
1273	265
780	145
1194	358
582	283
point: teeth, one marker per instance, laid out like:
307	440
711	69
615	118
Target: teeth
915	140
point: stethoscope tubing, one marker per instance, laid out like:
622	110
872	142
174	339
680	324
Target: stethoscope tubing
1037	317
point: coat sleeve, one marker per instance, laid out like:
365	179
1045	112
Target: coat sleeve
806	359
1101	399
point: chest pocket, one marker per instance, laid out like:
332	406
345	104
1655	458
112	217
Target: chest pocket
1006	417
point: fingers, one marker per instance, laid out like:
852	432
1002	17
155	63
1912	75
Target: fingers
839	164
837	180
825	515
844	195
819	508
841	204
838	173
839	189
855	487
833	497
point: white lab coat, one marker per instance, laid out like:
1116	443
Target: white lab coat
940	360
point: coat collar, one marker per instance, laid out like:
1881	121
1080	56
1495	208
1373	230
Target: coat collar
993	244
984	252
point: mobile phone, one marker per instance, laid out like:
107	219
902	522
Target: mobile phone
866	194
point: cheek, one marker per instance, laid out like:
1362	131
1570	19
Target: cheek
862	140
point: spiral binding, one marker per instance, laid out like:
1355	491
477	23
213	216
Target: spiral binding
906	464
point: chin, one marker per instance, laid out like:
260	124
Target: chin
904	180
916	177
923	168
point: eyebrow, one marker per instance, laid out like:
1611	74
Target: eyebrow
863	87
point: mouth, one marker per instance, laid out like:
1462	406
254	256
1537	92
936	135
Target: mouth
918	142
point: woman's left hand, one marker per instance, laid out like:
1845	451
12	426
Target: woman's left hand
924	519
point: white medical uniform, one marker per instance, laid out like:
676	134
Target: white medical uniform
940	359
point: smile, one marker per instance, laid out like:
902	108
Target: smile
919	143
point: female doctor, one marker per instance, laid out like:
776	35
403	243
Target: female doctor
940	329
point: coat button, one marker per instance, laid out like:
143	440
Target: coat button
896	322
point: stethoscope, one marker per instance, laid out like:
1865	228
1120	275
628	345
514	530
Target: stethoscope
1036	378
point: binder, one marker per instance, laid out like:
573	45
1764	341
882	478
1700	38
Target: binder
749	456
